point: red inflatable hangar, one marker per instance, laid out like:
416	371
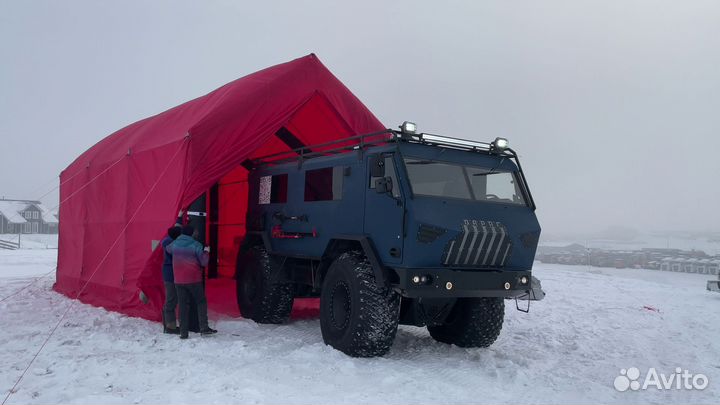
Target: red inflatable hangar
120	196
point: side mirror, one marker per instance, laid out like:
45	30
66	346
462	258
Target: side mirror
384	185
377	166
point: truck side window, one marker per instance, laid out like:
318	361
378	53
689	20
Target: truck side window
324	184
389	172
273	189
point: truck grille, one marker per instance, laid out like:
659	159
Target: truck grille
479	244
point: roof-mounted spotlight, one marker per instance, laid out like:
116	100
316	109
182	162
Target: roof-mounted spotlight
499	144
408	127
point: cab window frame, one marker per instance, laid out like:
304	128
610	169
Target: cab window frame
389	157
523	193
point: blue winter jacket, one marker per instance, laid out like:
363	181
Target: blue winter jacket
189	258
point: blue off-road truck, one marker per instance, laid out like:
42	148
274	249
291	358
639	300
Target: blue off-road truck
388	228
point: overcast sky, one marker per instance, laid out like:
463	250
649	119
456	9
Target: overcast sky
614	107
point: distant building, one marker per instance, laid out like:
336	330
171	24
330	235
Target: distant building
685	261
26	216
691	265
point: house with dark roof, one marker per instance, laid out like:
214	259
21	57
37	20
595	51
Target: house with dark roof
26	216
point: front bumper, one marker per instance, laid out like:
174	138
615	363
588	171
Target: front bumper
443	282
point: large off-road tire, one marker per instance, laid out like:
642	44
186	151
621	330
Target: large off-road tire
473	322
356	316
259	296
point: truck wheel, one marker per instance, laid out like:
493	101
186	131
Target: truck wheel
473	322
356	316
259	297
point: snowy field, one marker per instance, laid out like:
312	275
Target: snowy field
32	241
568	349
711	247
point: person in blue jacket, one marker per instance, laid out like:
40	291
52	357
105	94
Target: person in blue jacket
189	259
171	301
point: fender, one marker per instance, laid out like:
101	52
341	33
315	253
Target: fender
368	248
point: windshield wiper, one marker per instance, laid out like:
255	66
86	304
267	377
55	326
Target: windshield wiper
493	170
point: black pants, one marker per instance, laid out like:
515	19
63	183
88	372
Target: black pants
196	293
170	305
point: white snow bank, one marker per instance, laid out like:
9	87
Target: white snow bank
568	349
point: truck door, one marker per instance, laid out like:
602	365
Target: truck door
384	208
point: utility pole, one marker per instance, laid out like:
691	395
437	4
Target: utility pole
587	250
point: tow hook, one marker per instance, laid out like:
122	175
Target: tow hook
535	293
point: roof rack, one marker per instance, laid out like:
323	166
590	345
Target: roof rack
360	142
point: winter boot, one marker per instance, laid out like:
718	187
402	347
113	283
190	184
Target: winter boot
169	327
208	331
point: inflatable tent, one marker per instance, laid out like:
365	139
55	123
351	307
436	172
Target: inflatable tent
119	197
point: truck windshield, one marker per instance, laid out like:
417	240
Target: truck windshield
440	179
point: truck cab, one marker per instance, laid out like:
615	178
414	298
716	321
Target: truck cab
390	228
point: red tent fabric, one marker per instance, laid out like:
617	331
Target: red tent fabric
125	191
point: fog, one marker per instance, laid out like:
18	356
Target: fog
614	107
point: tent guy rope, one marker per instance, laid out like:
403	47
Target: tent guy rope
61	183
86	184
117	239
28	285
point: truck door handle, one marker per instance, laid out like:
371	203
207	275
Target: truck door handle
282	217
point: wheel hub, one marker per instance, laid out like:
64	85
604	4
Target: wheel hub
340	306
250	285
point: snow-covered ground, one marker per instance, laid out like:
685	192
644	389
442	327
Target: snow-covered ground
32	241
568	349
